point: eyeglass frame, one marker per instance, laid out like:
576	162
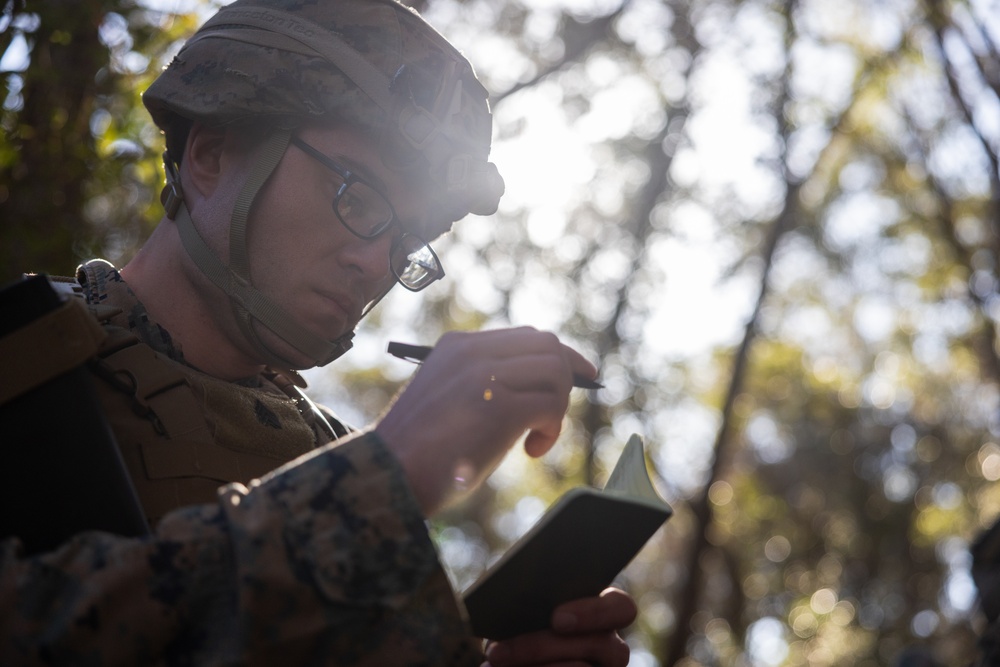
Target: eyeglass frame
350	178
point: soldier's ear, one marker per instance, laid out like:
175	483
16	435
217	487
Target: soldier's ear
203	158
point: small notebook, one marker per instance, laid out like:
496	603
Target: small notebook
574	551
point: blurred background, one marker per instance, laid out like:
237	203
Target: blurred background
774	227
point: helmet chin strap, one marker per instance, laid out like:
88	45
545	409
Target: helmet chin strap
250	306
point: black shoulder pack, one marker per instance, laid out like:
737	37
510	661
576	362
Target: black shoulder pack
61	471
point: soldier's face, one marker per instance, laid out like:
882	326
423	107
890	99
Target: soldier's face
303	258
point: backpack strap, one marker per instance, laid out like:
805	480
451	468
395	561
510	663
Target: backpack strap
151	381
181	434
48	346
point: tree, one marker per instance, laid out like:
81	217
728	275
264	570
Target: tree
826	520
774	224
78	157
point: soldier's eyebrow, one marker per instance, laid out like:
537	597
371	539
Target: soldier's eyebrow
359	169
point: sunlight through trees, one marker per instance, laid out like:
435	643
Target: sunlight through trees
773	225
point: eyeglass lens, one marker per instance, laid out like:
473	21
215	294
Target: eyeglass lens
414	263
363	209
367	213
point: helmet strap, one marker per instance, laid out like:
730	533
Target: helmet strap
250	306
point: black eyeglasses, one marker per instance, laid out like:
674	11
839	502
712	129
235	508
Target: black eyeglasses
367	213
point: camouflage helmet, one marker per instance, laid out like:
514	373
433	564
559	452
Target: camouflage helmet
375	64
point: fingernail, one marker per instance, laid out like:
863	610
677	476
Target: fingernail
497	653
563	621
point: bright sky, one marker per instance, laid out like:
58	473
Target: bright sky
553	161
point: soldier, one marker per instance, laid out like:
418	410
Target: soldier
314	148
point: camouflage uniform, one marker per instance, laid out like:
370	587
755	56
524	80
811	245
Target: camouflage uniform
325	561
183	433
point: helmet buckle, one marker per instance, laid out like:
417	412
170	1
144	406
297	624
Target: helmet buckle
172	196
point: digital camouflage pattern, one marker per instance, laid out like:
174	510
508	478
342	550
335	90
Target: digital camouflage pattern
181	432
375	64
325	561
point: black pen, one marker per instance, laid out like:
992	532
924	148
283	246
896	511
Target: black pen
418	353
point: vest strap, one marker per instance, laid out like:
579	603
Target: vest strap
48	347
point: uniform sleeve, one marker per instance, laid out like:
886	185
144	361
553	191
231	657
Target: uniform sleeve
327	561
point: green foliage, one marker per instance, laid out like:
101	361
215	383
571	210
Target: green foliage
858	456
831	453
78	155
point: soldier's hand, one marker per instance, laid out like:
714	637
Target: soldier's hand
473	397
584	632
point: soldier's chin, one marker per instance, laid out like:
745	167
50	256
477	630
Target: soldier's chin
290	357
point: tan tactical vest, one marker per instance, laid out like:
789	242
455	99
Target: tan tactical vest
182	433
